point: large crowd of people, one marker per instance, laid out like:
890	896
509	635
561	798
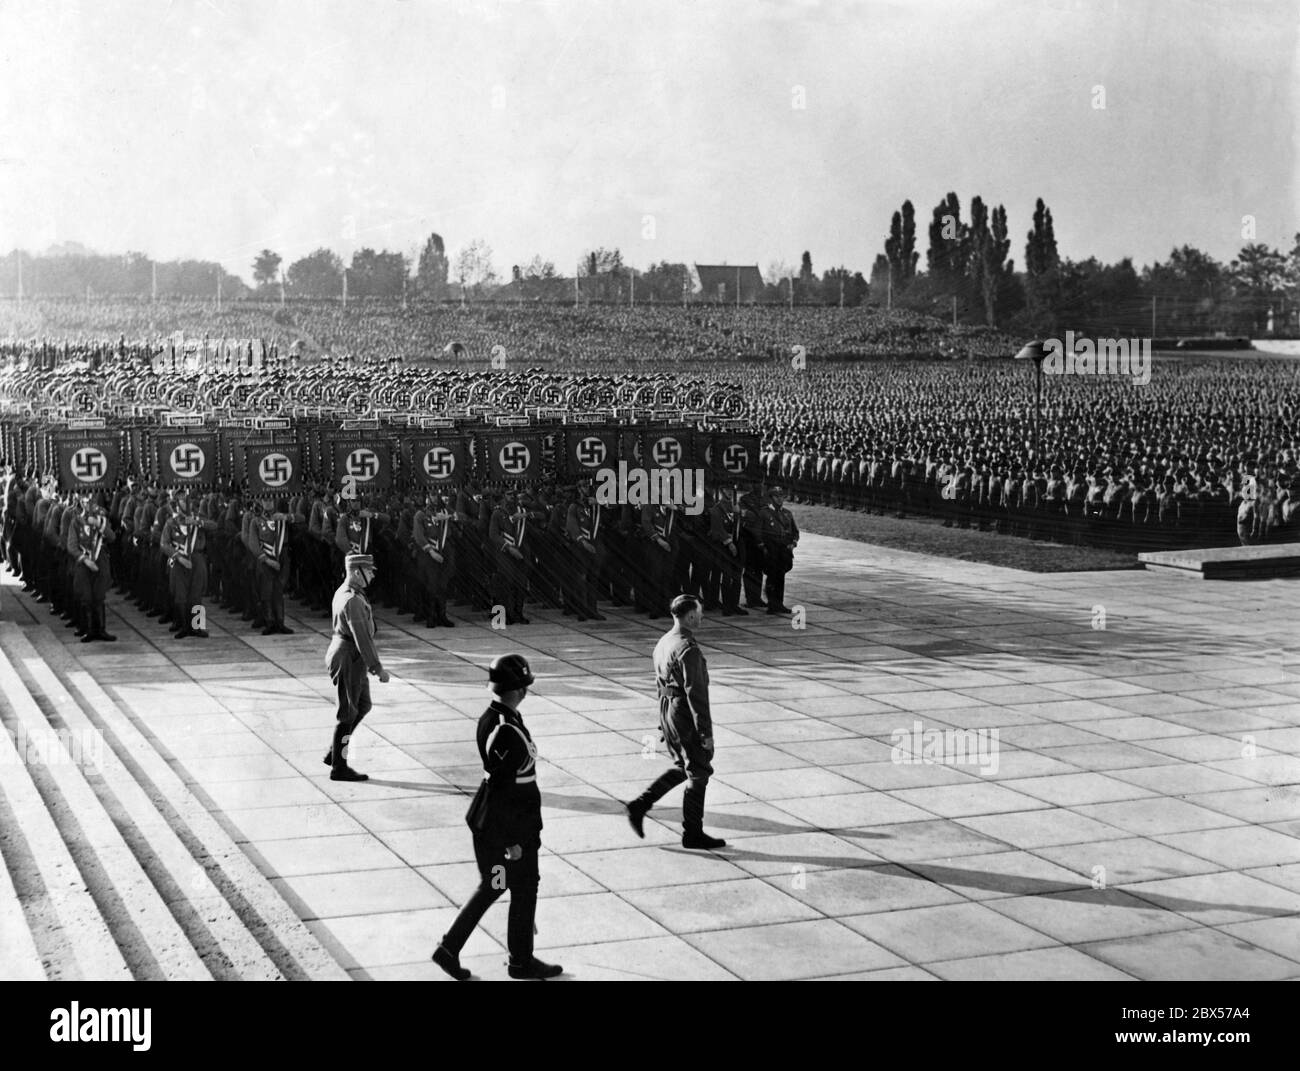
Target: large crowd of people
857	408
577	336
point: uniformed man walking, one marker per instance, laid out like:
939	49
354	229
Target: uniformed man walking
683	678
506	819
350	657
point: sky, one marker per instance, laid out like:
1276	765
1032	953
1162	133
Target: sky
710	131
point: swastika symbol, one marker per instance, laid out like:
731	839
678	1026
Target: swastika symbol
667	452
275	470
440	462
514	458
363	464
187	460
89	464
735	458
590	452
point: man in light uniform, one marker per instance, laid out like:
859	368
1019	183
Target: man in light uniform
350	657
685	722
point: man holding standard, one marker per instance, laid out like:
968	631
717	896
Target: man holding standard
350	657
683	679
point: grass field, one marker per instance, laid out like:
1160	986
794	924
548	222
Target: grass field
929	536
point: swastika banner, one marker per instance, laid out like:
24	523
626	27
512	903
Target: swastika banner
273	469
588	450
437	461
666	448
512	455
88	463
366	463
184	458
733	456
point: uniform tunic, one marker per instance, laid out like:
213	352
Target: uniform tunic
351	652
682	675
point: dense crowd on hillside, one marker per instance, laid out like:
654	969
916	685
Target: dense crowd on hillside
577	336
1208	450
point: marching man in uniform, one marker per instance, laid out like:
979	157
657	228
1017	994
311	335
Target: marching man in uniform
506	819
687	727
351	655
184	542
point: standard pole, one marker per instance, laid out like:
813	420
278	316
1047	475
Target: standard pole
1153	316
1038	403
889	294
954	310
345	288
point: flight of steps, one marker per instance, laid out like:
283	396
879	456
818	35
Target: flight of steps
112	868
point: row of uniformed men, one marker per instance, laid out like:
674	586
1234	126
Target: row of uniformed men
170	550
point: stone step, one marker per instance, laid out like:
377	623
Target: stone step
63	919
19	960
1227	563
288	948
211	926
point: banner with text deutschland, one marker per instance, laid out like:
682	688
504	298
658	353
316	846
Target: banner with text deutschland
273	469
512	455
366	461
87	462
734	456
588	450
183	458
437	460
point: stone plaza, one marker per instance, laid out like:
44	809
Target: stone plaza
1135	815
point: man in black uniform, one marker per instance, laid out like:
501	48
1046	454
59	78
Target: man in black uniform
506	819
683	678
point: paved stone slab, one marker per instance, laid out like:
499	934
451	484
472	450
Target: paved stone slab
1141	813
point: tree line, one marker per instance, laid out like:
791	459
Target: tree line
968	276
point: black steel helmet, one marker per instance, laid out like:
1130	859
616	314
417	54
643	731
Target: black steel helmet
509	672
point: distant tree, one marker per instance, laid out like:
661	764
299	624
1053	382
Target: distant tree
266	268
880	279
1189	290
474	266
1043	281
604	272
851	284
663	282
432	269
1259	282
987	265
948	256
374	274
537	268
318	274
900	247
